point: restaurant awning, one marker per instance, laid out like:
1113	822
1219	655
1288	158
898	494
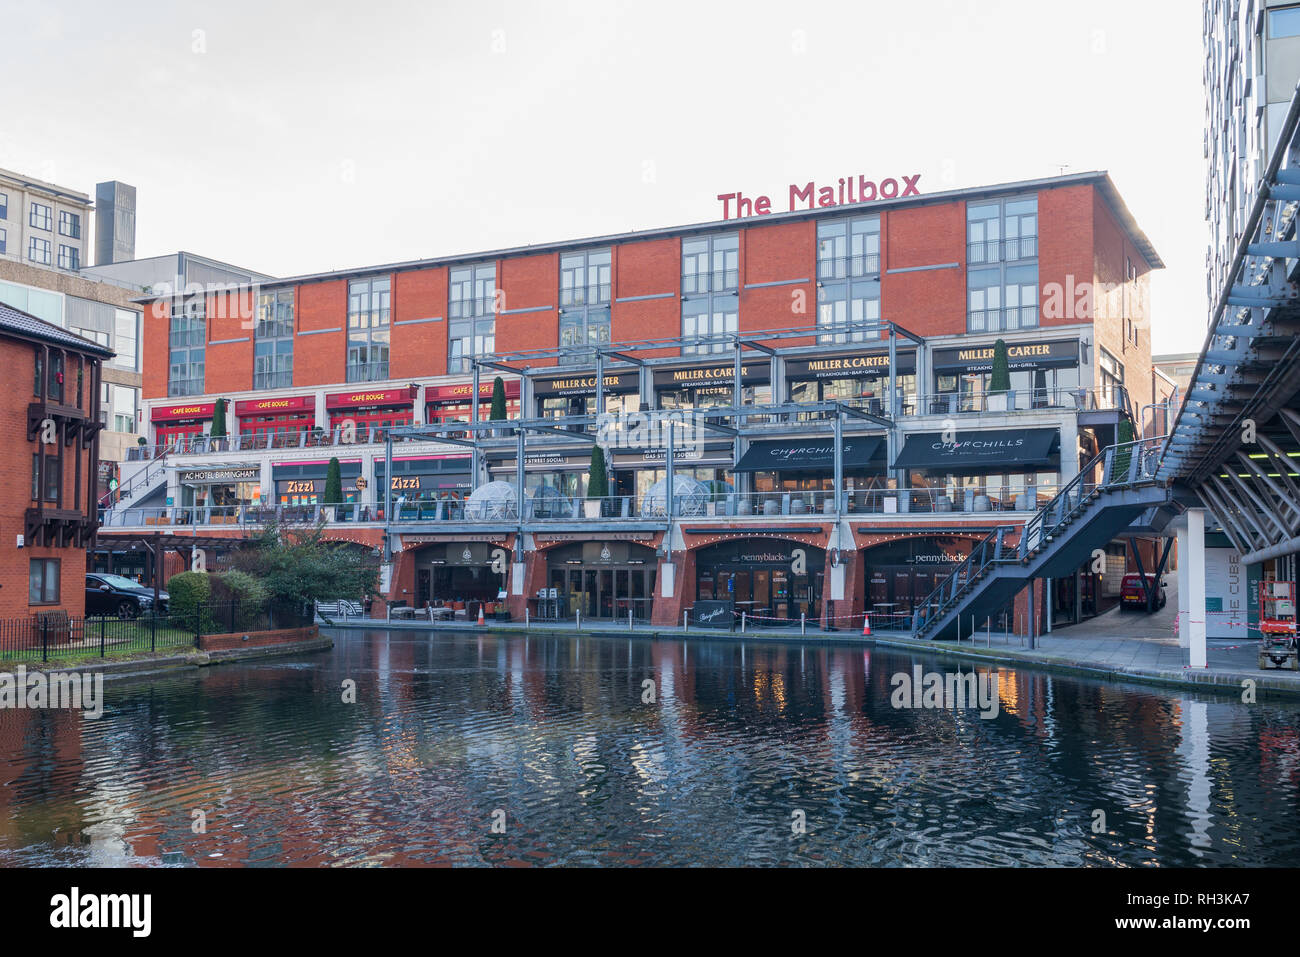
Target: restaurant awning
803	455
978	450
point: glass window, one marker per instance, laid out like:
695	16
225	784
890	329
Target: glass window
1002	272
1284	23
43	581
710	281
472	310
123	404
585	278
848	247
52	477
4	241
273	348
368	332
69	224
69	257
40	217
126	324
4	205
38	250
187	341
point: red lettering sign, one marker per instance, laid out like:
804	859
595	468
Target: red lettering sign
811	196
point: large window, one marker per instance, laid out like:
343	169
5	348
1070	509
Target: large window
710	292
848	279
1002	259
40	217
52	478
4	205
273	350
126	339
187	341
1112	380
69	257
69	224
585	278
711	264
1284	23
1002	298
38	250
584	304
368	329
123	403
43	581
4	242
471	309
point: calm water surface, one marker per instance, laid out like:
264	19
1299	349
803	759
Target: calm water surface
551	736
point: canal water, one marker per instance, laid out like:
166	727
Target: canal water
505	750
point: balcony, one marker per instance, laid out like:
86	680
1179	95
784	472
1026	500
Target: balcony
596	294
1002	320
1001	250
719	280
849	267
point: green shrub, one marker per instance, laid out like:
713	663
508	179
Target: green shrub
333	483
186	593
246	593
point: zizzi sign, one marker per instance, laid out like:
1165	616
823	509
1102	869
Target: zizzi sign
809	195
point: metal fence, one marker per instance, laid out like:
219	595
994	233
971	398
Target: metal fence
54	636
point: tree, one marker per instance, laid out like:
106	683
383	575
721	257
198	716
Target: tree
295	563
498	411
597	478
219	420
1000	381
333	483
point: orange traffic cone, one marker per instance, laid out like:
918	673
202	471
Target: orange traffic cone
866	625
481	619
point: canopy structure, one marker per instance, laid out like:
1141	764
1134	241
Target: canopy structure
799	455
995	448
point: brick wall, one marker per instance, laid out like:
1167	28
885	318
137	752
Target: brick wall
321	359
257	639
418	348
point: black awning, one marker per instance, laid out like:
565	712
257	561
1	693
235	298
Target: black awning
978	450
808	455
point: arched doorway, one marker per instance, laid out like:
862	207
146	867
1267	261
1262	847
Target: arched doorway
899	575
768	578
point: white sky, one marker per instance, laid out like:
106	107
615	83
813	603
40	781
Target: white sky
322	135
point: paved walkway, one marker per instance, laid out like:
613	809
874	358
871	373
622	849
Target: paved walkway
1155	659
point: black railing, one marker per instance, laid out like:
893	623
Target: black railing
981	559
58	637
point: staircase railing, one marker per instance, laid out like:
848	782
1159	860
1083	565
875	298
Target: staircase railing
1127	465
143	477
984	555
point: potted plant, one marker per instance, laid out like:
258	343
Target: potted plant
1000	380
333	489
218	431
497	413
597	483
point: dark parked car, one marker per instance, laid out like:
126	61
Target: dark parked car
1133	595
119	597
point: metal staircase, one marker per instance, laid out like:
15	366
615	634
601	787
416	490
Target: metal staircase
1103	499
139	485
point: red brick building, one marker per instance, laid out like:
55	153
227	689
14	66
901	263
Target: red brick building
892	306
51	423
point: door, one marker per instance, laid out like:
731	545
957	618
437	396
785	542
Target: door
423	586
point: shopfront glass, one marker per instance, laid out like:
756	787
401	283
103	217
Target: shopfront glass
768	579
604	580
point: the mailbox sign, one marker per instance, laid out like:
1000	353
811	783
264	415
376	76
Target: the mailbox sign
848	189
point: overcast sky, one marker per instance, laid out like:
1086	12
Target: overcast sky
298	137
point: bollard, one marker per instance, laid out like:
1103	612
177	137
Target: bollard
629	619
685	627
988	633
742	622
526	622
578	613
803	623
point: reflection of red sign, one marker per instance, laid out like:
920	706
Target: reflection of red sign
443	393
368	397
296	403
171	413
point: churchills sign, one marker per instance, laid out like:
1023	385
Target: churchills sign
809	195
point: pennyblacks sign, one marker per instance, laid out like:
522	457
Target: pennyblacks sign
809	195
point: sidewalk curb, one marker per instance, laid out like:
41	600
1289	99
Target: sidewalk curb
1208	680
153	667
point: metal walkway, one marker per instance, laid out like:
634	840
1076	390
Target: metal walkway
1115	488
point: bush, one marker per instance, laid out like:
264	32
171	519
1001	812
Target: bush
246	594
333	483
186	593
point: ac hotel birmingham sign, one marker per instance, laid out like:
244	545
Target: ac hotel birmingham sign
809	195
